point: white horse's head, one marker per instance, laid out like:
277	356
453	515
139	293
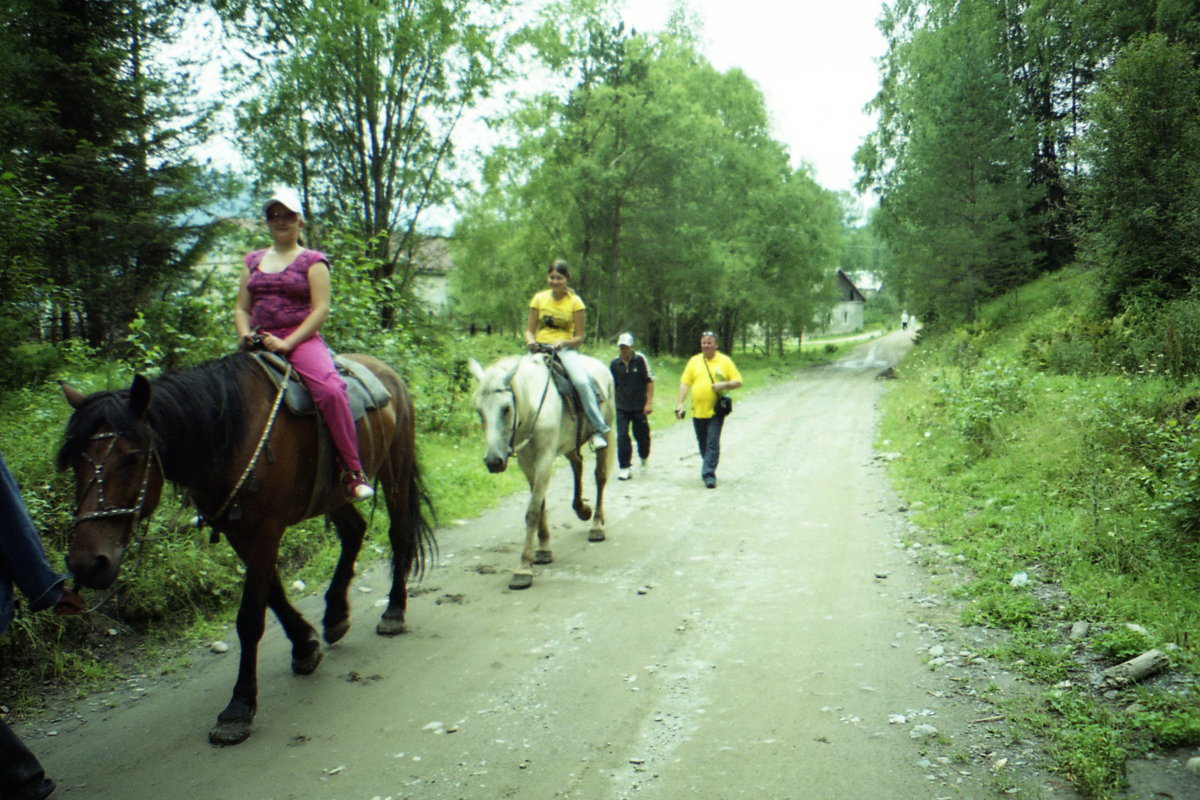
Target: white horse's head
497	407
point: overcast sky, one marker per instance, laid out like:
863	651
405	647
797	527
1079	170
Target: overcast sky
815	62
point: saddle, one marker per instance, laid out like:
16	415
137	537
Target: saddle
570	397
365	391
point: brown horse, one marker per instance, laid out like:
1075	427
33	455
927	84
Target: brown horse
250	469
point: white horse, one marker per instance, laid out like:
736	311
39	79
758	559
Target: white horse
523	414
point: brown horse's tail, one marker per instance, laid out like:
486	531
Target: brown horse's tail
421	518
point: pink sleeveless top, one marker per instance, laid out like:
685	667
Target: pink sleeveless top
280	300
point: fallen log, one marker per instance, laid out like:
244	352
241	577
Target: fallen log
1135	669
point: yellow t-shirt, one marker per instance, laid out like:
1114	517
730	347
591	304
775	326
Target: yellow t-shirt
695	375
556	318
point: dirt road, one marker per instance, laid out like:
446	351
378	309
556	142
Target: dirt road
760	640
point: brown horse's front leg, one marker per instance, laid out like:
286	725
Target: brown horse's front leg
582	509
306	650
237	720
350	528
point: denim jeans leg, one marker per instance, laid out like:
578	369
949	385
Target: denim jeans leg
624	445
21	775
712	449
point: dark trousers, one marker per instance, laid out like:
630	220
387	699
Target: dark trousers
21	775
708	437
641	434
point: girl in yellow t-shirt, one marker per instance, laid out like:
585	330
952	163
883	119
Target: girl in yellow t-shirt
556	319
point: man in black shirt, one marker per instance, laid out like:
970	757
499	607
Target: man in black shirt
635	400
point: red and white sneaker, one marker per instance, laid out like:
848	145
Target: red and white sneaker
357	487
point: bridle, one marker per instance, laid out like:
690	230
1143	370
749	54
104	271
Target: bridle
513	447
97	479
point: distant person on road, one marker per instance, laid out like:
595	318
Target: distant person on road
23	564
556	320
634	381
904	320
708	375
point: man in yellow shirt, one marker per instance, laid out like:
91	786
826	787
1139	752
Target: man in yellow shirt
708	375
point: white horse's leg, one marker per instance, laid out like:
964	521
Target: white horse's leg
538	475
582	509
603	461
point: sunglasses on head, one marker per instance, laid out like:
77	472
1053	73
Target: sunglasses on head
709	333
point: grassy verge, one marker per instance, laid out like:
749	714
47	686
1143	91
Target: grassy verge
1087	485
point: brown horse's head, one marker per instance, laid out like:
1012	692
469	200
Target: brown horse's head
118	477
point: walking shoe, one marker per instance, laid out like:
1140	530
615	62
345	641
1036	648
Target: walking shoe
624	474
357	487
599	441
710	483
646	462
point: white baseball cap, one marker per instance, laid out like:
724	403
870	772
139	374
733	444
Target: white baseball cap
625	339
285	197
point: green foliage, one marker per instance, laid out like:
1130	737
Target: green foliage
655	176
92	141
980	397
1087	746
1140	203
1120	643
1170	717
355	103
1086	482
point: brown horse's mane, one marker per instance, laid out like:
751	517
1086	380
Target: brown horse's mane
194	420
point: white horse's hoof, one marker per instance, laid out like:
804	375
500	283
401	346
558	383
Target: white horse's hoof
521	580
596	535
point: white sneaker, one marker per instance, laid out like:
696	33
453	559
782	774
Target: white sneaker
599	441
624	474
646	462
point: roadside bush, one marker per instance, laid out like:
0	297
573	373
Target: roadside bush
978	398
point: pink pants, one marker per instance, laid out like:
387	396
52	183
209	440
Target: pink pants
314	365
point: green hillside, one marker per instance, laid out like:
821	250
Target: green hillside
1032	441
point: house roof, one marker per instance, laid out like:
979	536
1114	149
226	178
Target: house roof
855	294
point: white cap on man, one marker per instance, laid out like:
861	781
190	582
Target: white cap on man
625	340
285	197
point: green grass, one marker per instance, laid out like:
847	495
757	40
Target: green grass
1088	484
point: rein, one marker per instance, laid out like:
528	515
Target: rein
262	440
513	447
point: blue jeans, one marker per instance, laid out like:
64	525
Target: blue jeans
708	437
577	371
641	433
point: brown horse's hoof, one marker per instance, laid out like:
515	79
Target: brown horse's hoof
521	580
583	512
306	665
391	627
227	732
334	633
543	557
596	535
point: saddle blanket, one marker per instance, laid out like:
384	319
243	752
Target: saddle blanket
365	390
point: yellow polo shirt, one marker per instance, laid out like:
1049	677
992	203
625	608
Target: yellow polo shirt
556	318
696	376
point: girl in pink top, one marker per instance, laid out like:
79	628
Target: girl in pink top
284	300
